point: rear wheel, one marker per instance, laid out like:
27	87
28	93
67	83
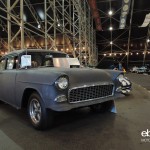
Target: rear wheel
38	114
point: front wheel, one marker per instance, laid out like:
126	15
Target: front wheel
37	112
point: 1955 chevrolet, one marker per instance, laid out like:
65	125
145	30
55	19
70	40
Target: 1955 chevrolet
44	81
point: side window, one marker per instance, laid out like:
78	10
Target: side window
2	64
12	62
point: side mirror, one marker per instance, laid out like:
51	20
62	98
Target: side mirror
25	61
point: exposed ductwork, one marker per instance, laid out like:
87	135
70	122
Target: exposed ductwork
95	14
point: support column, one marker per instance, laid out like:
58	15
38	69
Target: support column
45	9
9	25
22	24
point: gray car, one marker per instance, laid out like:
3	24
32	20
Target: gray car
31	79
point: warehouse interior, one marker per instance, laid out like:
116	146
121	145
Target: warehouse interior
98	33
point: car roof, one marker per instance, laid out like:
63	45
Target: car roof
32	50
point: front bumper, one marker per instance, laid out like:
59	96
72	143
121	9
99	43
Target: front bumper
65	106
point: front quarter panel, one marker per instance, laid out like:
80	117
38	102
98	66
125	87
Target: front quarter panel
44	84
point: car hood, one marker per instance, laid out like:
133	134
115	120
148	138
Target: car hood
77	76
86	76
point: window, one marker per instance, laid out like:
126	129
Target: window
2	64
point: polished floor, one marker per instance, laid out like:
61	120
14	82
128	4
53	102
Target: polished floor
81	129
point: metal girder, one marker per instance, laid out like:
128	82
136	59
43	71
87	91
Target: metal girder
34	13
146	45
14	19
73	20
69	20
128	50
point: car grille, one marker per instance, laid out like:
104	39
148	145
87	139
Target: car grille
90	93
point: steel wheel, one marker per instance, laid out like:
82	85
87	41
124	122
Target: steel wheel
39	116
35	111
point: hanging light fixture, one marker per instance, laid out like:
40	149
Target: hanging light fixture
110	12
110	28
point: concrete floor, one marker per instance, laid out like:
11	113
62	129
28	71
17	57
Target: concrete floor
82	129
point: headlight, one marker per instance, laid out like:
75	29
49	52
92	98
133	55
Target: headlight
62	83
120	77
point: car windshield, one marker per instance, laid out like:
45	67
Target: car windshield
44	59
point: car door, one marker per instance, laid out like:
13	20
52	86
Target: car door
2	68
8	80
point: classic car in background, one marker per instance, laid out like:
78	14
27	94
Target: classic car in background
134	69
45	81
143	69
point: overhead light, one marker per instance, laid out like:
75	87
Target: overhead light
110	28
41	14
111	42
148	40
85	57
131	53
110	54
137	53
39	26
110	13
104	54
115	54
126	53
120	54
58	24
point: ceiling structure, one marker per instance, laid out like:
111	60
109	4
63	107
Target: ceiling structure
129	42
49	24
111	39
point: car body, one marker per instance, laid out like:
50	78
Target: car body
134	69
143	69
41	86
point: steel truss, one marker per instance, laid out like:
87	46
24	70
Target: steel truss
68	20
73	20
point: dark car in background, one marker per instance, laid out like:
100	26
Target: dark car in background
45	81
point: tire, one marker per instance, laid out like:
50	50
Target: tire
38	114
102	107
